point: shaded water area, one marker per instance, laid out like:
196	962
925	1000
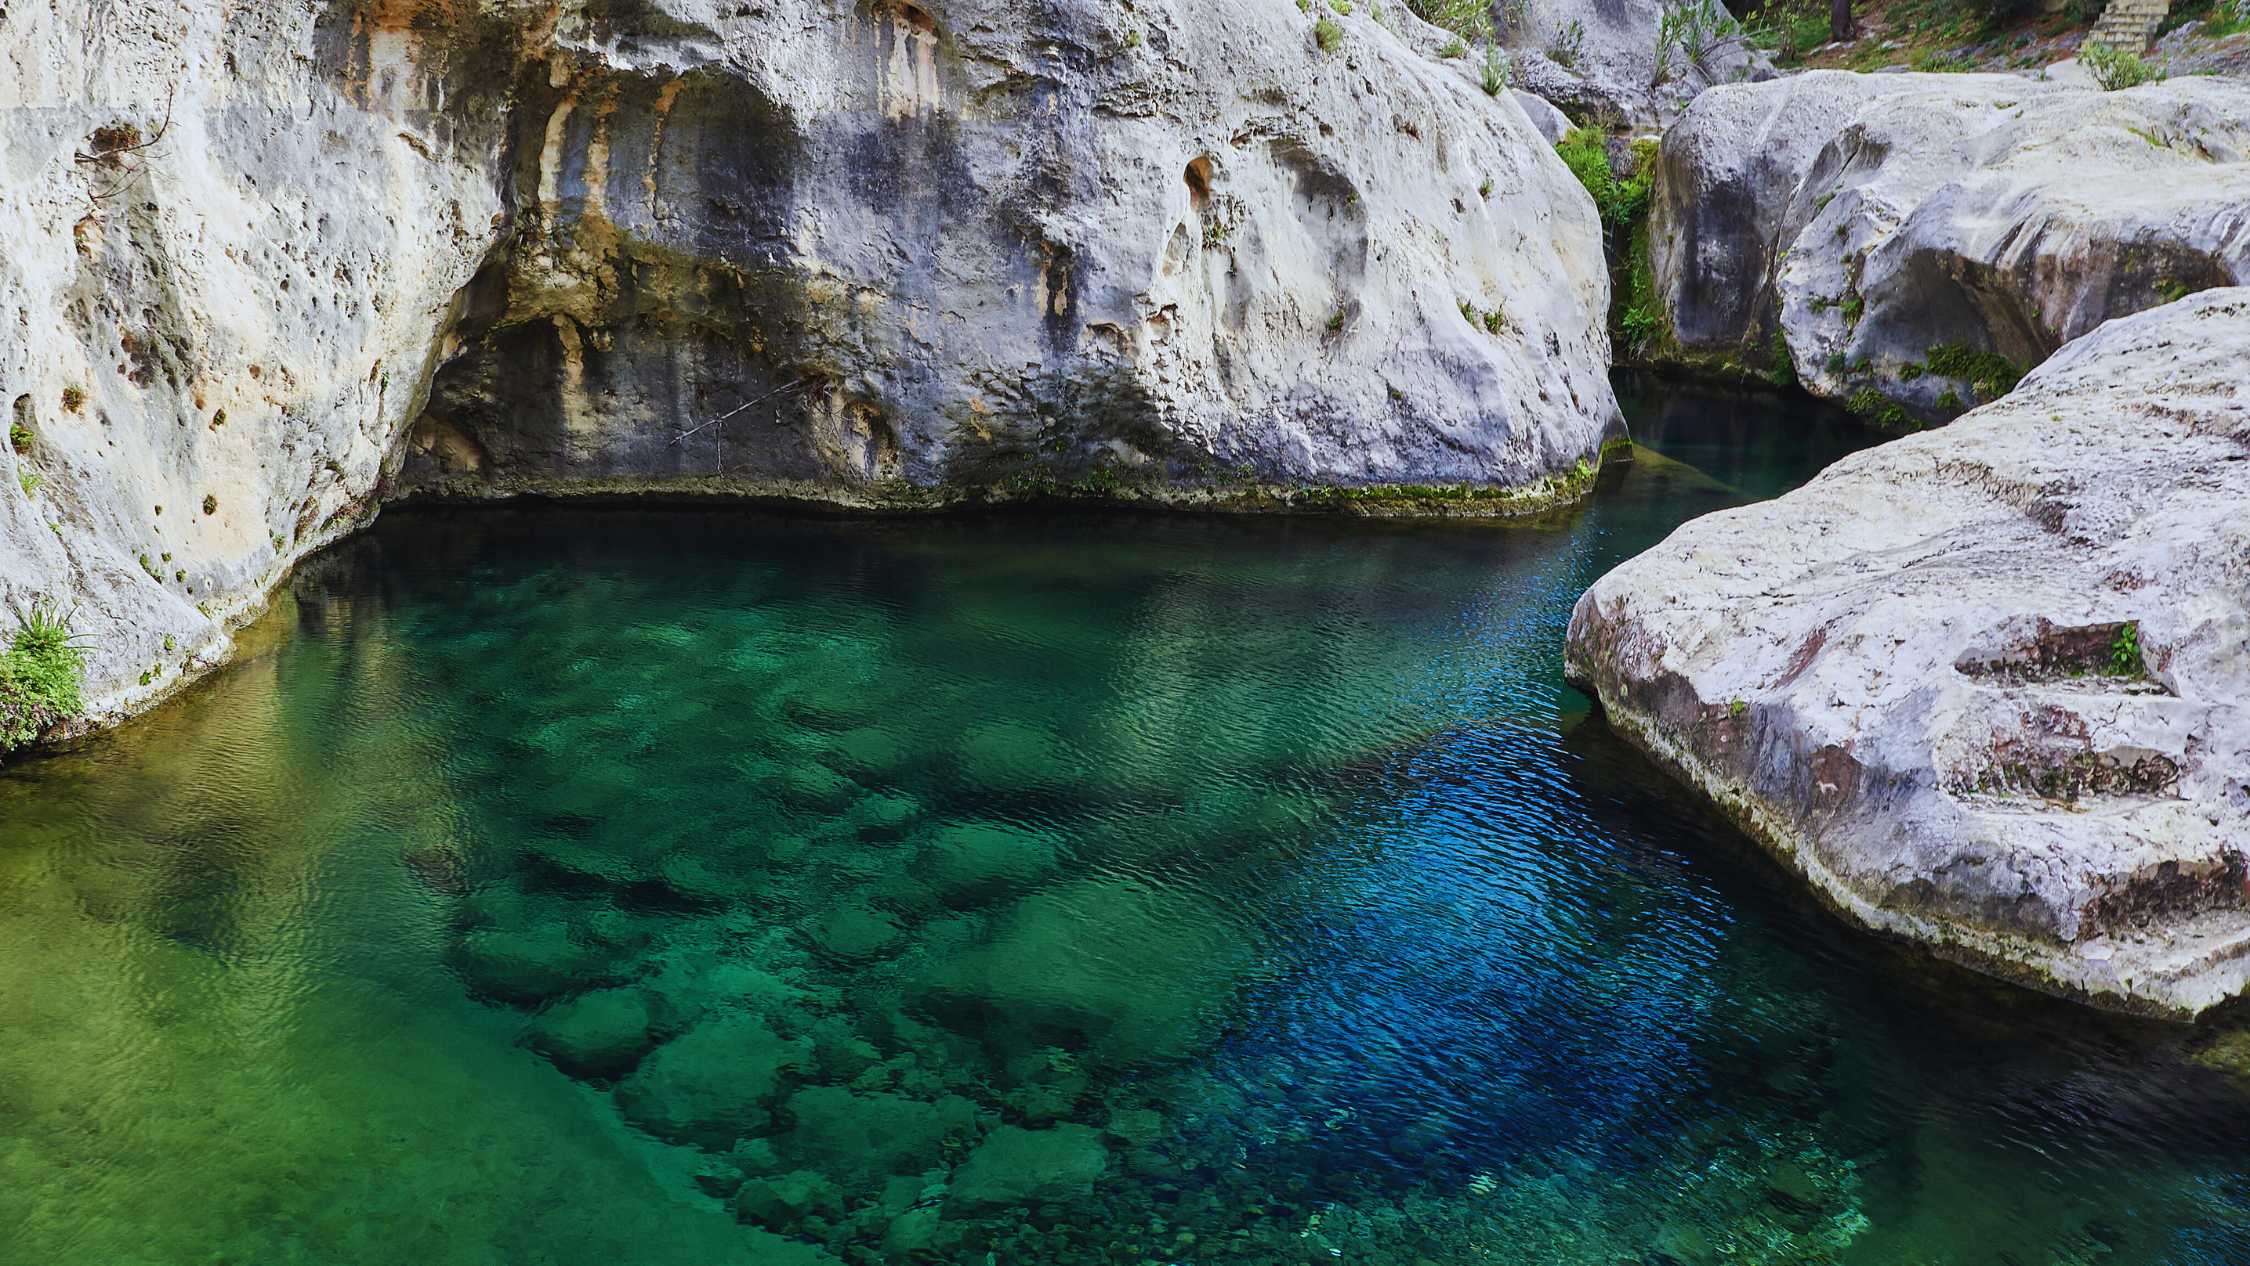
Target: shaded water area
577	885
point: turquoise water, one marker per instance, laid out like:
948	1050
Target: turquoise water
572	885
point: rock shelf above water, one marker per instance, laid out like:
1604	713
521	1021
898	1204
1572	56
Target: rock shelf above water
1986	687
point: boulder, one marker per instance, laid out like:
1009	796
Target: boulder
1123	972
1599	59
600	1034
1985	687
529	965
783	1201
860	1139
289	264
1918	241
971	862
714	1083
1014	1167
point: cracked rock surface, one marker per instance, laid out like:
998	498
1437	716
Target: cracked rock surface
1986	687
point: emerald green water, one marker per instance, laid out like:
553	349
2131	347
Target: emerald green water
568	885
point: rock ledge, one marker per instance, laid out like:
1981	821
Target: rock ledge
1985	687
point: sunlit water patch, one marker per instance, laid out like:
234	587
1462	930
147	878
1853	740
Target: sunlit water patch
626	886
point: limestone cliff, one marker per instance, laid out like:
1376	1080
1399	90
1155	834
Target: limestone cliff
1916	242
270	265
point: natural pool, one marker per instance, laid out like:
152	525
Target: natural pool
615	886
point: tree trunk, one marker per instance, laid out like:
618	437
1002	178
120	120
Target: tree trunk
1839	19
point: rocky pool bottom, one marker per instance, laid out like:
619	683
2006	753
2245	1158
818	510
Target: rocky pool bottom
667	886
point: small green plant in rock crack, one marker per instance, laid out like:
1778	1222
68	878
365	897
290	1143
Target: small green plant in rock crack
1328	35
1497	71
41	677
1493	322
2125	652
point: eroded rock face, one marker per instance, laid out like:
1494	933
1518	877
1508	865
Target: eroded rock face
1918	241
270	266
1985	686
232	237
889	252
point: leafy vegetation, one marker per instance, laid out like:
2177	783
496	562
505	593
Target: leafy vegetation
1568	44
1693	33
19	438
1881	411
1497	71
1622	202
2125	652
1328	35
1467	19
1990	373
1494	321
2118	68
42	677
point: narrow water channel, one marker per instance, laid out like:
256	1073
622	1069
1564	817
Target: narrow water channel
670	886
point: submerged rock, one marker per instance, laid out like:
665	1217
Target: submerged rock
1985	687
972	862
714	1083
600	1034
863	1138
1917	242
528	965
1013	1167
1125	970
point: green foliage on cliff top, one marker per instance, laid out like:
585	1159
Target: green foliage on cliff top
41	675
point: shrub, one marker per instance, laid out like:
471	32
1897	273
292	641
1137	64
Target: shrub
1328	35
1568	43
1496	70
30	480
19	437
2117	68
1695	31
1467	19
72	397
1585	151
41	678
1990	373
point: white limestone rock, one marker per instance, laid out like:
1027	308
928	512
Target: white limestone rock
1897	677
1876	221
